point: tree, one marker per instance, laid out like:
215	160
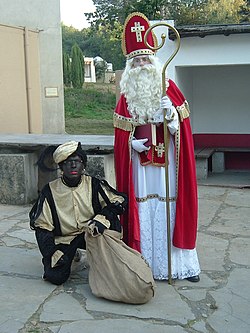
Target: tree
100	68
225	11
245	13
66	70
70	36
103	38
112	11
109	11
77	66
184	12
105	42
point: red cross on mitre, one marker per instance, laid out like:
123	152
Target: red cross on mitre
134	30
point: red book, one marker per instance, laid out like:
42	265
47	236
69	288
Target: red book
143	132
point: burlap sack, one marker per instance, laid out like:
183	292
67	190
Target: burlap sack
117	272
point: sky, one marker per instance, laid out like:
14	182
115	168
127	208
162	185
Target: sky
72	12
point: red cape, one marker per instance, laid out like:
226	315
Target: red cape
186	205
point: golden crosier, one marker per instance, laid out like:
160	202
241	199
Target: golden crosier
166	132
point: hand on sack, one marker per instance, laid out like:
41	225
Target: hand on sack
96	228
139	146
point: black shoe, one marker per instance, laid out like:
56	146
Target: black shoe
195	278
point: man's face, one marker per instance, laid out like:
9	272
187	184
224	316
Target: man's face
72	167
141	61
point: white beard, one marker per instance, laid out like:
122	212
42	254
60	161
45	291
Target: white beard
142	88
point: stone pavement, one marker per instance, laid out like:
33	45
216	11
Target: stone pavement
219	303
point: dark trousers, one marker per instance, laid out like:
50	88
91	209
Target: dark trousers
60	274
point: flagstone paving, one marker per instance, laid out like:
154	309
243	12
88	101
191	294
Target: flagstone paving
219	303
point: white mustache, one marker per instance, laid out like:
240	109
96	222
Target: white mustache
148	67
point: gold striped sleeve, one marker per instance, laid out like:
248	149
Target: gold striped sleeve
122	122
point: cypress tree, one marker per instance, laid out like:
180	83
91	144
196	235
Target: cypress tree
77	66
66	70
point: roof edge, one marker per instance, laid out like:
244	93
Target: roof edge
210	29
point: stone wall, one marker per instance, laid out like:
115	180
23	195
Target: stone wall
18	178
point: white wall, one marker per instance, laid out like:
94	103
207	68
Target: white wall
221	99
44	16
214	50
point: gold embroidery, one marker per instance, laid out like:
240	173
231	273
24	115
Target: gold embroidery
183	111
155	196
122	122
131	135
160	149
177	157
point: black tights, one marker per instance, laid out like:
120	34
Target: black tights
60	274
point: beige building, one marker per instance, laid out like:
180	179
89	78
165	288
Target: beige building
31	80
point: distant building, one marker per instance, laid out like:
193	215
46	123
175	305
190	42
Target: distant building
89	70
109	75
109	67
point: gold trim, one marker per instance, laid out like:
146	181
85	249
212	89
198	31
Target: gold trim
122	122
145	163
155	196
149	162
153	157
139	52
177	158
183	111
131	135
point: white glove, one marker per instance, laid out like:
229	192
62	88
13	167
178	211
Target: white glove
167	105
173	121
165	102
139	146
170	113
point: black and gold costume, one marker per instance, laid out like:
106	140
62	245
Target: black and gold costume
62	214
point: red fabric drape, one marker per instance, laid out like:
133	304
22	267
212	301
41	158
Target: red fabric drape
187	203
